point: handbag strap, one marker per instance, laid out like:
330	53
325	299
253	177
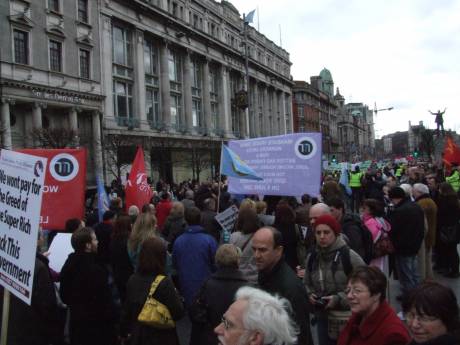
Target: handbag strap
155	284
246	243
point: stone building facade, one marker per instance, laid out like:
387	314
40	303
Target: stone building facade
50	73
167	75
347	128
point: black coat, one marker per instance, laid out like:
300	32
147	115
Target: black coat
122	267
217	294
38	323
407	227
446	339
137	290
85	290
103	233
173	228
283	281
352	230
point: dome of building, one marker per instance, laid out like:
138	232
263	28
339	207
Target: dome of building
325	74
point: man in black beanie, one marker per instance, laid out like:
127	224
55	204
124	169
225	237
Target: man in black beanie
407	233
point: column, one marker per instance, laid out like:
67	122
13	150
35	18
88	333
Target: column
97	144
106	58
37	120
5	117
187	120
139	78
73	124
165	87
283	114
148	161
276	112
224	104
255	107
289	121
266	113
206	98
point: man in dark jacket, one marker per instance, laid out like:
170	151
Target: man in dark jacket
208	219
276	277
85	290
407	233
103	233
350	225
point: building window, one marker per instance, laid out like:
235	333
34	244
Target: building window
83	11
21	47
196	113
55	56
196	94
122	46
123	101
214	96
152	105
175	78
85	63
174	64
150	58
176	109
53	5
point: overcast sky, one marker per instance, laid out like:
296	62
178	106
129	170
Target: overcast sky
400	53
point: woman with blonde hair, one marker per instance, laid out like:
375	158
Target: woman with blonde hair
145	227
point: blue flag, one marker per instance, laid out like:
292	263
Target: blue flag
344	180
102	199
250	17
232	165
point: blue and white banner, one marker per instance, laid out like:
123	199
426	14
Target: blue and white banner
289	164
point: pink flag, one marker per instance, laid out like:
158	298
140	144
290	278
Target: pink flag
137	190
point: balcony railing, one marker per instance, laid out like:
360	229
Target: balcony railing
157	125
129	122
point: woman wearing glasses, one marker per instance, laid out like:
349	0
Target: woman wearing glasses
432	315
373	321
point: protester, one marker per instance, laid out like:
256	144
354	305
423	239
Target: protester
326	273
432	315
73	224
103	233
424	200
208	219
355	183
85	289
193	256
144	227
264	218
120	262
162	210
373	213
330	190
454	178
447	258
188	200
276	277
257	318
217	293
38	323
151	264
175	224
373	321
246	225
133	212
407	234
285	223
356	236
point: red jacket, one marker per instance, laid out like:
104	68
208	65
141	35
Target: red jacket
383	327
162	212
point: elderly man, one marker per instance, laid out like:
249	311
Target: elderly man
422	198
276	277
256	318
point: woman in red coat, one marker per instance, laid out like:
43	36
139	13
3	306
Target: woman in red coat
373	321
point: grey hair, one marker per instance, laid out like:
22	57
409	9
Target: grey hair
325	209
407	188
421	188
189	194
269	315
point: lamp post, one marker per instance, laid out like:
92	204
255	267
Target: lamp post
376	111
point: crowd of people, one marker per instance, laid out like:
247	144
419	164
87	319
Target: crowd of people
289	271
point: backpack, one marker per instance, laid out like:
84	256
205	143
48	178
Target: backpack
383	244
341	255
366	239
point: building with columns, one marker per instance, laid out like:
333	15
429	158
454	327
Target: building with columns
50	73
167	75
173	72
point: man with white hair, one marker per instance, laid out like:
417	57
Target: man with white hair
257	318
422	197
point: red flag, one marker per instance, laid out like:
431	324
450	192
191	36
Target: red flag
451	152
137	190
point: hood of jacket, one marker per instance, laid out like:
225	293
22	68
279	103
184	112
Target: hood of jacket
328	253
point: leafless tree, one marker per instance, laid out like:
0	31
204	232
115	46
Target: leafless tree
54	138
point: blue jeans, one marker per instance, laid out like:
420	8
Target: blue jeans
407	269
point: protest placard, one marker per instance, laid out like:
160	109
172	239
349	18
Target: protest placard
227	218
289	164
21	187
59	250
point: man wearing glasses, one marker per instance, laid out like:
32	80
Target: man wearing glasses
256	318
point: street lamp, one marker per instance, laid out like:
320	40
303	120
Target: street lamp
377	111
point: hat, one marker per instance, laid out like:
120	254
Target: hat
397	193
330	221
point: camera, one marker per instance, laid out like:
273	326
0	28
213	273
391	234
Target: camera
321	302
